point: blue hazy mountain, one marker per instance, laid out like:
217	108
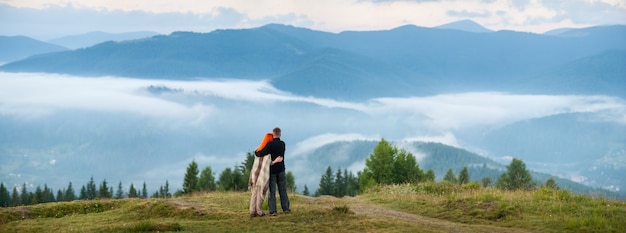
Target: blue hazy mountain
568	145
20	47
96	37
465	25
408	60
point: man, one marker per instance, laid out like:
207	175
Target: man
276	148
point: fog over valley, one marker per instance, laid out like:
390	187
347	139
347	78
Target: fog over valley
61	128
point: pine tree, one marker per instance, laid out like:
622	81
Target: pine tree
239	183
406	169
516	177
103	191
83	193
486	182
207	180
327	183
226	181
15	198
166	189
120	191
339	189
61	195
47	194
144	191
70	195
5	198
305	192
291	182
352	183
132	192
450	177
37	196
24	196
429	176
92	193
190	182
551	184
464	176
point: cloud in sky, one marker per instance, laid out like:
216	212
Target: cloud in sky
164	16
38	95
230	113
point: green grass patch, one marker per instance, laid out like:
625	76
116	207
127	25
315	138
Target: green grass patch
430	207
545	210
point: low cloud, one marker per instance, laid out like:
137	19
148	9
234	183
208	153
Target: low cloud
227	118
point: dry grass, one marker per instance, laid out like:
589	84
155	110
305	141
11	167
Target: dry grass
400	208
543	210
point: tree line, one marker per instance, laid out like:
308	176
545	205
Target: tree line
389	165
385	165
21	196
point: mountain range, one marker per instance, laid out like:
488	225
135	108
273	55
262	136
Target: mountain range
96	37
403	61
20	47
83	135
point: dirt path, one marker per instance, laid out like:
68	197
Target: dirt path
361	206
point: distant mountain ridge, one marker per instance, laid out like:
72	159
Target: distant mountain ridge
407	60
96	37
18	47
465	25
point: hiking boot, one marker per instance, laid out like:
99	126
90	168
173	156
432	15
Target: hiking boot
287	211
252	215
272	214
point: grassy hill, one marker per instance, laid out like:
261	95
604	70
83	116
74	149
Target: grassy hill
426	207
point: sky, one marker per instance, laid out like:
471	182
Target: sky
50	19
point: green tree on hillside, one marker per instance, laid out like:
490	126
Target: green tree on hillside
207	180
103	191
379	164
406	169
190	181
516	177
83	193
351	183
450	177
132	191
464	176
144	190
551	184
306	191
486	182
120	191
24	195
327	182
429	176
70	195
388	165
339	189
15	198
5	198
92	193
291	182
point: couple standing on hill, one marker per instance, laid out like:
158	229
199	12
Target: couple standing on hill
268	168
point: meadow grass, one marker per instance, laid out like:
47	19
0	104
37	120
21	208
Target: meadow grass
542	210
397	208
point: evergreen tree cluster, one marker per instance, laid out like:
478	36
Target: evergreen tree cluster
21	196
388	165
339	184
230	179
